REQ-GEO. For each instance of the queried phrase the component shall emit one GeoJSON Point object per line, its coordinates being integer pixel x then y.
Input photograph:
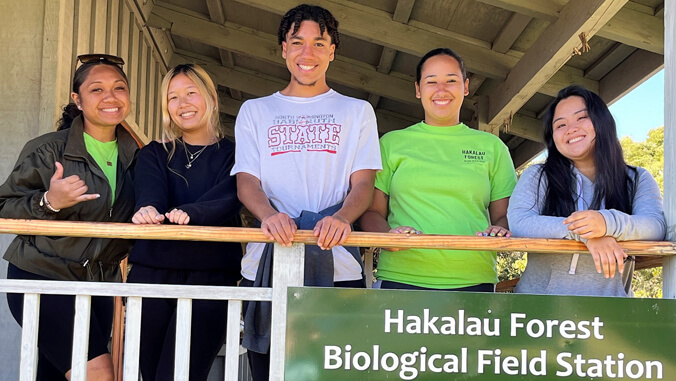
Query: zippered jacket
{"type": "Point", "coordinates": [69, 258]}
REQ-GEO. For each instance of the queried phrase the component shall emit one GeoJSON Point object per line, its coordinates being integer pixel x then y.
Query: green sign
{"type": "Point", "coordinates": [353, 334]}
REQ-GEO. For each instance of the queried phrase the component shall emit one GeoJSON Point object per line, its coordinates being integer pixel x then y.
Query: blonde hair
{"type": "Point", "coordinates": [206, 88]}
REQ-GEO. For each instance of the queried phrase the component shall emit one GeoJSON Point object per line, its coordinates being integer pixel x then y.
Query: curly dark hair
{"type": "Point", "coordinates": [294, 17]}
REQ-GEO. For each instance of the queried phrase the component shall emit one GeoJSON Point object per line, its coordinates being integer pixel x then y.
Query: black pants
{"type": "Point", "coordinates": [260, 362]}
{"type": "Point", "coordinates": [483, 287]}
{"type": "Point", "coordinates": [158, 323]}
{"type": "Point", "coordinates": [55, 337]}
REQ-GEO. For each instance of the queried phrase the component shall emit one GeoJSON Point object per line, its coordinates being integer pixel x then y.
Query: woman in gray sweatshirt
{"type": "Point", "coordinates": [584, 191]}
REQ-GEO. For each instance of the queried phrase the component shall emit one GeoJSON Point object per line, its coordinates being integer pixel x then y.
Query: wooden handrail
{"type": "Point", "coordinates": [224, 234]}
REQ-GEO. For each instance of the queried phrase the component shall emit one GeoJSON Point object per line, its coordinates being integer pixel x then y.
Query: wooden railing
{"type": "Point", "coordinates": [287, 271]}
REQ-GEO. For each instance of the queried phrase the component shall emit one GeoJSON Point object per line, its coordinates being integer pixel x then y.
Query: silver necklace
{"type": "Point", "coordinates": [192, 156]}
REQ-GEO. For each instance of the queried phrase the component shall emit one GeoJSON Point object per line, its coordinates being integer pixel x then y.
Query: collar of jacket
{"type": "Point", "coordinates": [75, 146]}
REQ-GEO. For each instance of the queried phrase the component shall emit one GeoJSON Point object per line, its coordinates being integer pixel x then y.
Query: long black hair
{"type": "Point", "coordinates": [612, 185]}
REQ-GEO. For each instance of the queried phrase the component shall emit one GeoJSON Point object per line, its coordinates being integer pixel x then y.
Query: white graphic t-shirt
{"type": "Point", "coordinates": [303, 150]}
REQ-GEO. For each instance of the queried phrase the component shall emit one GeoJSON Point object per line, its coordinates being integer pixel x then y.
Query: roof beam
{"type": "Point", "coordinates": [608, 61]}
{"type": "Point", "coordinates": [525, 152]}
{"type": "Point", "coordinates": [403, 11]}
{"type": "Point", "coordinates": [262, 46]}
{"type": "Point", "coordinates": [629, 26]}
{"type": "Point", "coordinates": [548, 54]}
{"type": "Point", "coordinates": [636, 29]}
{"type": "Point", "coordinates": [629, 74]}
{"type": "Point", "coordinates": [377, 26]}
{"type": "Point", "coordinates": [508, 35]}
{"type": "Point", "coordinates": [526, 127]}
{"type": "Point", "coordinates": [218, 16]}
{"type": "Point", "coordinates": [539, 9]}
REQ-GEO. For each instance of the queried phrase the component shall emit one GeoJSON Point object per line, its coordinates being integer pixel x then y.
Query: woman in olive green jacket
{"type": "Point", "coordinates": [82, 172]}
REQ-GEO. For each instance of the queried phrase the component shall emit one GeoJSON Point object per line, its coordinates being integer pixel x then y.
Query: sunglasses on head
{"type": "Point", "coordinates": [107, 58]}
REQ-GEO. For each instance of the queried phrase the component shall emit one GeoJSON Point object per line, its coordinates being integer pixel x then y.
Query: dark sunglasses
{"type": "Point", "coordinates": [106, 58]}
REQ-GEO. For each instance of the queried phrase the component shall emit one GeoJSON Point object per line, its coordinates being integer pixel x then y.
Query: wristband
{"type": "Point", "coordinates": [45, 203]}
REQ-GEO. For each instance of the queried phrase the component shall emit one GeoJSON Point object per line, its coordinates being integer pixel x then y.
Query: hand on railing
{"type": "Point", "coordinates": [606, 252]}
{"type": "Point", "coordinates": [147, 215]}
{"type": "Point", "coordinates": [408, 230]}
{"type": "Point", "coordinates": [280, 227]}
{"type": "Point", "coordinates": [494, 231]}
{"type": "Point", "coordinates": [331, 231]}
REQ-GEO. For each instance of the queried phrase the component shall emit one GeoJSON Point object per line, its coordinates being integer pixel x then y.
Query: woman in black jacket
{"type": "Point", "coordinates": [81, 172]}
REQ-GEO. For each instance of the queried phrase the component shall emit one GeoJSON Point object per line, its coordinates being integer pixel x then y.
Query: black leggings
{"type": "Point", "coordinates": [158, 323]}
{"type": "Point", "coordinates": [55, 337]}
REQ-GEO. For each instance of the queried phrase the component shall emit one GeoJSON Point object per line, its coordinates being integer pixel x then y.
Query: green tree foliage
{"type": "Point", "coordinates": [648, 154]}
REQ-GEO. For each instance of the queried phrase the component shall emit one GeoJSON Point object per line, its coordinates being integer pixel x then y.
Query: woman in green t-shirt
{"type": "Point", "coordinates": [441, 177]}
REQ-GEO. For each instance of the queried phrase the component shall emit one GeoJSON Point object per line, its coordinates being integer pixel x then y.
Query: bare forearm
{"type": "Point", "coordinates": [372, 221]}
{"type": "Point", "coordinates": [252, 196]}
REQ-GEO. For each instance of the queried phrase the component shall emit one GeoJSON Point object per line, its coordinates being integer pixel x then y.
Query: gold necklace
{"type": "Point", "coordinates": [109, 160]}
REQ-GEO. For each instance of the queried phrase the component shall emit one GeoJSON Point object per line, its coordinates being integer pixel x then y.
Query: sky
{"type": "Point", "coordinates": [640, 110]}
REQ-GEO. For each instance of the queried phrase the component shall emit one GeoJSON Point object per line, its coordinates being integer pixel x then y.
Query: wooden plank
{"type": "Point", "coordinates": [288, 269]}
{"type": "Point", "coordinates": [80, 338]}
{"type": "Point", "coordinates": [100, 29]}
{"type": "Point", "coordinates": [669, 269]}
{"type": "Point", "coordinates": [225, 234]}
{"type": "Point", "coordinates": [509, 34]}
{"type": "Point", "coordinates": [124, 38]}
{"type": "Point", "coordinates": [83, 35]}
{"type": "Point", "coordinates": [55, 65]}
{"type": "Point", "coordinates": [229, 61]}
{"type": "Point", "coordinates": [541, 9]}
{"type": "Point", "coordinates": [629, 74]}
{"type": "Point", "coordinates": [231, 371]}
{"type": "Point", "coordinates": [143, 84]}
{"type": "Point", "coordinates": [475, 82]}
{"type": "Point", "coordinates": [549, 53]}
{"type": "Point", "coordinates": [153, 98]}
{"type": "Point", "coordinates": [132, 338]}
{"type": "Point", "coordinates": [183, 332]}
{"type": "Point", "coordinates": [526, 151]}
{"type": "Point", "coordinates": [216, 11]}
{"type": "Point", "coordinates": [386, 60]}
{"type": "Point", "coordinates": [133, 68]}
{"type": "Point", "coordinates": [636, 29]}
{"type": "Point", "coordinates": [28, 368]}
{"type": "Point", "coordinates": [526, 127]}
{"type": "Point", "coordinates": [373, 99]}
{"type": "Point", "coordinates": [403, 11]}
{"type": "Point", "coordinates": [113, 27]}
{"type": "Point", "coordinates": [142, 8]}
{"type": "Point", "coordinates": [607, 62]}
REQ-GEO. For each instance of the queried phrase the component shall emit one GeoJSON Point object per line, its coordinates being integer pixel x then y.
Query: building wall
{"type": "Point", "coordinates": [40, 43]}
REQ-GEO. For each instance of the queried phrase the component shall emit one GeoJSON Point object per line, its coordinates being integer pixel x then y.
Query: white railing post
{"type": "Point", "coordinates": [669, 267]}
{"type": "Point", "coordinates": [132, 338]}
{"type": "Point", "coordinates": [232, 340]}
{"type": "Point", "coordinates": [28, 368]}
{"type": "Point", "coordinates": [80, 338]}
{"type": "Point", "coordinates": [287, 271]}
{"type": "Point", "coordinates": [183, 332]}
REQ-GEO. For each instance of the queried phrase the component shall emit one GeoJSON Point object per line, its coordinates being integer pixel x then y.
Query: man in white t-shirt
{"type": "Point", "coordinates": [306, 148]}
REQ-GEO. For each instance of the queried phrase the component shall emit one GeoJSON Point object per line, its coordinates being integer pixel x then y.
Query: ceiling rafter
{"type": "Point", "coordinates": [548, 54]}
